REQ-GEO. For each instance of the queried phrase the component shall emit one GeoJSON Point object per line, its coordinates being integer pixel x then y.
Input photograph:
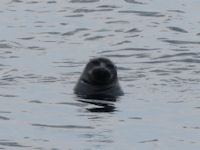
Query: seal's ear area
{"type": "Point", "coordinates": [111, 66]}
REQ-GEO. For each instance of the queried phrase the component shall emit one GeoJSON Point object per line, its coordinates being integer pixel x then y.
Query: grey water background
{"type": "Point", "coordinates": [44, 45]}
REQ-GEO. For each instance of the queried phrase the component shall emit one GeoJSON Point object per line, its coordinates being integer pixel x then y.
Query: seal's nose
{"type": "Point", "coordinates": [101, 74]}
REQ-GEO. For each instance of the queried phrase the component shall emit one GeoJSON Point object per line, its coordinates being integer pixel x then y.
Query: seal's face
{"type": "Point", "coordinates": [100, 71]}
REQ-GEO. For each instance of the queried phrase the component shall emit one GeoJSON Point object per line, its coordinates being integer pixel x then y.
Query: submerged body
{"type": "Point", "coordinates": [99, 80]}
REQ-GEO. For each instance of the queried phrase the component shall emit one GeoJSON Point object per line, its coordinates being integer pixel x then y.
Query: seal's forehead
{"type": "Point", "coordinates": [101, 59]}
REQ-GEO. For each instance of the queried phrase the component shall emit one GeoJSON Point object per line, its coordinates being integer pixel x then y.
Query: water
{"type": "Point", "coordinates": [44, 45]}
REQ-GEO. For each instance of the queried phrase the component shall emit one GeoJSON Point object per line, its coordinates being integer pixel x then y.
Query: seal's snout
{"type": "Point", "coordinates": [100, 74]}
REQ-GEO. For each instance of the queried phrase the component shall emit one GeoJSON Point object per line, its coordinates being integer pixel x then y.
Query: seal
{"type": "Point", "coordinates": [99, 80]}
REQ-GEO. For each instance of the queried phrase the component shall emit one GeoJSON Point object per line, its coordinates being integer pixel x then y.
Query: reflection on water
{"type": "Point", "coordinates": [44, 46]}
{"type": "Point", "coordinates": [100, 105]}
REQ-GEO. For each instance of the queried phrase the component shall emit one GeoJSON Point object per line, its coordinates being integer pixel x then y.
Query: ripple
{"type": "Point", "coordinates": [177, 29]}
{"type": "Point", "coordinates": [119, 21]}
{"type": "Point", "coordinates": [5, 112]}
{"type": "Point", "coordinates": [143, 13]}
{"type": "Point", "coordinates": [63, 126]}
{"type": "Point", "coordinates": [71, 104]}
{"type": "Point", "coordinates": [102, 30]}
{"type": "Point", "coordinates": [149, 141]}
{"type": "Point", "coordinates": [5, 46]}
{"type": "Point", "coordinates": [108, 6]}
{"type": "Point", "coordinates": [139, 49]}
{"type": "Point", "coordinates": [189, 60]}
{"type": "Point", "coordinates": [123, 42]}
{"type": "Point", "coordinates": [94, 38]}
{"type": "Point", "coordinates": [8, 80]}
{"type": "Point", "coordinates": [119, 55]}
{"type": "Point", "coordinates": [78, 15]}
{"type": "Point", "coordinates": [7, 95]}
{"type": "Point", "coordinates": [52, 33]}
{"type": "Point", "coordinates": [47, 79]}
{"type": "Point", "coordinates": [17, 1]}
{"type": "Point", "coordinates": [136, 118]}
{"type": "Point", "coordinates": [31, 76]}
{"type": "Point", "coordinates": [124, 68]}
{"type": "Point", "coordinates": [33, 2]}
{"type": "Point", "coordinates": [130, 50]}
{"type": "Point", "coordinates": [133, 2]}
{"type": "Point", "coordinates": [75, 31]}
{"type": "Point", "coordinates": [99, 105]}
{"type": "Point", "coordinates": [84, 1]}
{"type": "Point", "coordinates": [178, 55]}
{"type": "Point", "coordinates": [11, 144]}
{"type": "Point", "coordinates": [181, 42]}
{"type": "Point", "coordinates": [133, 30]}
{"type": "Point", "coordinates": [178, 11]}
{"type": "Point", "coordinates": [181, 49]}
{"type": "Point", "coordinates": [84, 10]}
{"type": "Point", "coordinates": [68, 63]}
{"type": "Point", "coordinates": [51, 2]}
{"type": "Point", "coordinates": [4, 118]}
{"type": "Point", "coordinates": [26, 38]}
{"type": "Point", "coordinates": [36, 48]}
{"type": "Point", "coordinates": [159, 71]}
{"type": "Point", "coordinates": [170, 61]}
{"type": "Point", "coordinates": [103, 109]}
{"type": "Point", "coordinates": [196, 127]}
{"type": "Point", "coordinates": [179, 81]}
{"type": "Point", "coordinates": [35, 101]}
{"type": "Point", "coordinates": [156, 62]}
{"type": "Point", "coordinates": [175, 102]}
{"type": "Point", "coordinates": [9, 44]}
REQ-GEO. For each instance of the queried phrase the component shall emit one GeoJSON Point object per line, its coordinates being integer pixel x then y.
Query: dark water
{"type": "Point", "coordinates": [44, 45]}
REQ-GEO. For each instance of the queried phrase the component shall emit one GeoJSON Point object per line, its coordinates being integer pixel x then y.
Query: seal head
{"type": "Point", "coordinates": [99, 79]}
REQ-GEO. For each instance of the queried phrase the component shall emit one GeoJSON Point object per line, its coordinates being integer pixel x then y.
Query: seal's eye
{"type": "Point", "coordinates": [110, 66]}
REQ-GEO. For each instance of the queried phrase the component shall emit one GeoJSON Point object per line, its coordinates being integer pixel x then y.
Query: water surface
{"type": "Point", "coordinates": [44, 45]}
